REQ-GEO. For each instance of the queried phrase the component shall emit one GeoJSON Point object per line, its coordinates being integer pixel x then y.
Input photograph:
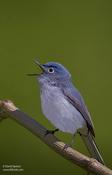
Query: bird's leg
{"type": "Point", "coordinates": [71, 144]}
{"type": "Point", "coordinates": [84, 134]}
{"type": "Point", "coordinates": [73, 140]}
{"type": "Point", "coordinates": [51, 131]}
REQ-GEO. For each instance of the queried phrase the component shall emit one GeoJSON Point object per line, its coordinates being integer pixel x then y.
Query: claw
{"type": "Point", "coordinates": [66, 146]}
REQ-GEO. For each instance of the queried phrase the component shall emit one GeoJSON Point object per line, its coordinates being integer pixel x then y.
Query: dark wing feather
{"type": "Point", "coordinates": [74, 97]}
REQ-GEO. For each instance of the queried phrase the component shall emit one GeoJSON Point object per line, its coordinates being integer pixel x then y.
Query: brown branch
{"type": "Point", "coordinates": [8, 109]}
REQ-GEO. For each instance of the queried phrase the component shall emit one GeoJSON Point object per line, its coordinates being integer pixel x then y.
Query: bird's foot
{"type": "Point", "coordinates": [51, 131]}
{"type": "Point", "coordinates": [66, 146]}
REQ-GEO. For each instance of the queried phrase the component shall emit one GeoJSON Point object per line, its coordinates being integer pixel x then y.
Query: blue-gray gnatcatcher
{"type": "Point", "coordinates": [63, 105]}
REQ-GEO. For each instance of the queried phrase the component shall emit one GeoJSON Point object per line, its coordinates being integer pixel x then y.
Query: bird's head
{"type": "Point", "coordinates": [52, 73]}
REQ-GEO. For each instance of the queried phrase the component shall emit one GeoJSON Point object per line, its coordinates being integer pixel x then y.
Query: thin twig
{"type": "Point", "coordinates": [89, 164]}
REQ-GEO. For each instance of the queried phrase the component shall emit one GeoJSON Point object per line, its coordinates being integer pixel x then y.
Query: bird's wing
{"type": "Point", "coordinates": [74, 97]}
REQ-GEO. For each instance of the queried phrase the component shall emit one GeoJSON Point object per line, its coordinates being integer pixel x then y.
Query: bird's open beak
{"type": "Point", "coordinates": [41, 67]}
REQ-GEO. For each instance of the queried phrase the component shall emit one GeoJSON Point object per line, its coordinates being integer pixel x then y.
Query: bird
{"type": "Point", "coordinates": [63, 105]}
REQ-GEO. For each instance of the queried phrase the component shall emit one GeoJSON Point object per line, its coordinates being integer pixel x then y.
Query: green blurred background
{"type": "Point", "coordinates": [77, 34]}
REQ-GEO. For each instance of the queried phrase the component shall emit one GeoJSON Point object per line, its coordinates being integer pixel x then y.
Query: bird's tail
{"type": "Point", "coordinates": [92, 147]}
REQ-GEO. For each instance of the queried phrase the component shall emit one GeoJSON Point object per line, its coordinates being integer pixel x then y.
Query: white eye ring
{"type": "Point", "coordinates": [51, 70]}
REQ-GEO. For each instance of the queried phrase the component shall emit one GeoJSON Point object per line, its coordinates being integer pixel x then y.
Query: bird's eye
{"type": "Point", "coordinates": [51, 70]}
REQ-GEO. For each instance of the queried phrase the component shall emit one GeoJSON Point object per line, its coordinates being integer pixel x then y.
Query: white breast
{"type": "Point", "coordinates": [62, 114]}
